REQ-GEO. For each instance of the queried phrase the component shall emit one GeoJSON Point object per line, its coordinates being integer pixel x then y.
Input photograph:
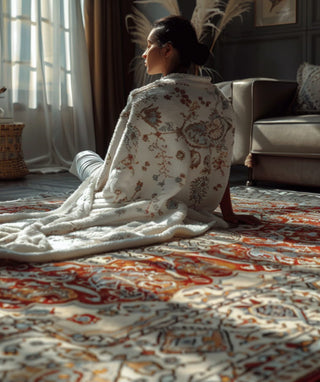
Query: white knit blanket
{"type": "Point", "coordinates": [164, 174]}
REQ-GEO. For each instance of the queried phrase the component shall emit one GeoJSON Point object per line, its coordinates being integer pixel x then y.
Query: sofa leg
{"type": "Point", "coordinates": [249, 163]}
{"type": "Point", "coordinates": [250, 182]}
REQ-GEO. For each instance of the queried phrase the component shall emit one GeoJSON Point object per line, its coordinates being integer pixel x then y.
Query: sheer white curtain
{"type": "Point", "coordinates": [45, 64]}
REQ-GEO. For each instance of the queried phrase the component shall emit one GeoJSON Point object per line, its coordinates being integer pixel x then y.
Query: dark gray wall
{"type": "Point", "coordinates": [187, 7]}
{"type": "Point", "coordinates": [244, 50]}
{"type": "Point", "coordinates": [270, 51]}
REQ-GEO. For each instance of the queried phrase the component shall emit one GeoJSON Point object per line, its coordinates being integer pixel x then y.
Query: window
{"type": "Point", "coordinates": [45, 66]}
{"type": "Point", "coordinates": [37, 47]}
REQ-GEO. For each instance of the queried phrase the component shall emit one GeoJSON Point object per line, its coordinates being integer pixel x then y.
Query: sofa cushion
{"type": "Point", "coordinates": [307, 98]}
{"type": "Point", "coordinates": [293, 136]}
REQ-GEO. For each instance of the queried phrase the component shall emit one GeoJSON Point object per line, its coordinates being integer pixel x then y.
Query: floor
{"type": "Point", "coordinates": [35, 184]}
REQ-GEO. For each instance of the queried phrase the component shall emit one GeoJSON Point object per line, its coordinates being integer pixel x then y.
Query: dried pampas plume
{"type": "Point", "coordinates": [233, 9]}
{"type": "Point", "coordinates": [204, 12]}
{"type": "Point", "coordinates": [207, 14]}
{"type": "Point", "coordinates": [140, 29]}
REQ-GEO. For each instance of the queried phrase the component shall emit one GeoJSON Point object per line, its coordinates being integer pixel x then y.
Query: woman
{"type": "Point", "coordinates": [172, 47]}
{"type": "Point", "coordinates": [166, 169]}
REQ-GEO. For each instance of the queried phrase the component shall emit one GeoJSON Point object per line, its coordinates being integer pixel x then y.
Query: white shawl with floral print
{"type": "Point", "coordinates": [164, 174]}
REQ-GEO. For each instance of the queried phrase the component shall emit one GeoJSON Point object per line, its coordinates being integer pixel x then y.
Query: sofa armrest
{"type": "Point", "coordinates": [252, 99]}
{"type": "Point", "coordinates": [272, 98]}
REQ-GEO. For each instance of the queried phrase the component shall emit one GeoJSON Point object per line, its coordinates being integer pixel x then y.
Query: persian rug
{"type": "Point", "coordinates": [239, 304]}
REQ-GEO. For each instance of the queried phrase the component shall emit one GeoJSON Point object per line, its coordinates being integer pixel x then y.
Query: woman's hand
{"type": "Point", "coordinates": [230, 217]}
{"type": "Point", "coordinates": [236, 219]}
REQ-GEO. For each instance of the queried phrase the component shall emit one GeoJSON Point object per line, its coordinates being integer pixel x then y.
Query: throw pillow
{"type": "Point", "coordinates": [308, 93]}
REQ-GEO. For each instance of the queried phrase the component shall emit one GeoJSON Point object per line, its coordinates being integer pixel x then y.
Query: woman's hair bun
{"type": "Point", "coordinates": [181, 34]}
{"type": "Point", "coordinates": [200, 54]}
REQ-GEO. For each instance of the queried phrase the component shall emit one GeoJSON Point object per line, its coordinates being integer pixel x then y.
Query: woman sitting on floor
{"type": "Point", "coordinates": [166, 169]}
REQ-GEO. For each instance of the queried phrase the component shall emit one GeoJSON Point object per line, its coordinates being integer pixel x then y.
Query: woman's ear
{"type": "Point", "coordinates": [168, 50]}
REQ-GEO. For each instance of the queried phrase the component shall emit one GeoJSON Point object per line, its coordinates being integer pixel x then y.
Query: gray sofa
{"type": "Point", "coordinates": [277, 146]}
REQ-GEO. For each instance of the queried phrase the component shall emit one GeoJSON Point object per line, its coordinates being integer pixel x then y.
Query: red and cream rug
{"type": "Point", "coordinates": [241, 304]}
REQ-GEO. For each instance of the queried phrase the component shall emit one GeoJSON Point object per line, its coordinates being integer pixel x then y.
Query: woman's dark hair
{"type": "Point", "coordinates": [181, 34]}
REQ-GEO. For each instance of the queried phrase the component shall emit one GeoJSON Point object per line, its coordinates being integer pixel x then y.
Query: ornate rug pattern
{"type": "Point", "coordinates": [241, 304]}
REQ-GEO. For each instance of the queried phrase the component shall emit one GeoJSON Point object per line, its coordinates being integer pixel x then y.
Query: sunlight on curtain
{"type": "Point", "coordinates": [44, 54]}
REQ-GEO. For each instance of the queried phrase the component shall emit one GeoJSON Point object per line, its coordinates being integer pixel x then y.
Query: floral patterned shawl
{"type": "Point", "coordinates": [164, 174]}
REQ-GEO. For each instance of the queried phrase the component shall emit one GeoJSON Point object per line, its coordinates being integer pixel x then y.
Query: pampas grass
{"type": "Point", "coordinates": [208, 15]}
{"type": "Point", "coordinates": [233, 9]}
{"type": "Point", "coordinates": [204, 11]}
{"type": "Point", "coordinates": [140, 29]}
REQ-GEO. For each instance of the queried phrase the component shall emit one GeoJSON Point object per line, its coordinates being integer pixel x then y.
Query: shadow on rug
{"type": "Point", "coordinates": [241, 304]}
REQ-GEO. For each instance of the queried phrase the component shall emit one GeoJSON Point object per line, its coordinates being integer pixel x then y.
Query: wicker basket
{"type": "Point", "coordinates": [12, 165]}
